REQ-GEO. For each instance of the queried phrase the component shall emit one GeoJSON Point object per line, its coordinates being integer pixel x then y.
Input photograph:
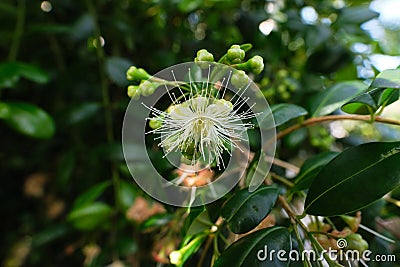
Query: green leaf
{"type": "Point", "coordinates": [384, 92]}
{"type": "Point", "coordinates": [90, 216]}
{"type": "Point", "coordinates": [32, 73]}
{"type": "Point", "coordinates": [310, 169]}
{"type": "Point", "coordinates": [387, 79]}
{"type": "Point", "coordinates": [116, 68]}
{"type": "Point", "coordinates": [355, 15]}
{"type": "Point", "coordinates": [371, 101]}
{"type": "Point", "coordinates": [198, 222]}
{"type": "Point", "coordinates": [156, 220]}
{"type": "Point", "coordinates": [80, 113]}
{"type": "Point", "coordinates": [10, 73]}
{"type": "Point", "coordinates": [245, 210]}
{"type": "Point", "coordinates": [363, 104]}
{"type": "Point", "coordinates": [126, 194]}
{"type": "Point", "coordinates": [91, 194]}
{"type": "Point", "coordinates": [27, 119]}
{"type": "Point", "coordinates": [334, 97]}
{"type": "Point", "coordinates": [357, 177]}
{"type": "Point", "coordinates": [251, 249]}
{"type": "Point", "coordinates": [49, 234]}
{"type": "Point", "coordinates": [283, 113]}
{"type": "Point", "coordinates": [189, 5]}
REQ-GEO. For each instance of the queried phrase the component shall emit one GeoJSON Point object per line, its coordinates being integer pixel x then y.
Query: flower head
{"type": "Point", "coordinates": [202, 128]}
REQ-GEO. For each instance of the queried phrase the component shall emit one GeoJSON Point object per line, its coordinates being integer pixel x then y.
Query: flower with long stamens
{"type": "Point", "coordinates": [202, 128]}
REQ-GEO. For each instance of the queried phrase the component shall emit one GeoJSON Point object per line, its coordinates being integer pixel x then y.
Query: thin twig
{"type": "Point", "coordinates": [283, 164]}
{"type": "Point", "coordinates": [313, 121]}
{"type": "Point", "coordinates": [19, 30]}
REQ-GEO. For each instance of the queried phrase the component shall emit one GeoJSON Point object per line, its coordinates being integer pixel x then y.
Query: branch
{"type": "Point", "coordinates": [312, 121]}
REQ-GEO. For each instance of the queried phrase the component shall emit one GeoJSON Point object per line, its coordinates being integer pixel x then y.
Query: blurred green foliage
{"type": "Point", "coordinates": [67, 196]}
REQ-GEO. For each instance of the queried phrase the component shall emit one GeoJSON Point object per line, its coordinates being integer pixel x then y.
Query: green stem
{"type": "Point", "coordinates": [105, 94]}
{"type": "Point", "coordinates": [107, 114]}
{"type": "Point", "coordinates": [19, 30]}
{"type": "Point", "coordinates": [331, 223]}
{"type": "Point", "coordinates": [281, 179]}
{"type": "Point", "coordinates": [314, 242]}
{"type": "Point", "coordinates": [307, 262]}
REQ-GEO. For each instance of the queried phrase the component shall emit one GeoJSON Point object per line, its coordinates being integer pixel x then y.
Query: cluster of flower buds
{"type": "Point", "coordinates": [145, 88]}
{"type": "Point", "coordinates": [234, 57]}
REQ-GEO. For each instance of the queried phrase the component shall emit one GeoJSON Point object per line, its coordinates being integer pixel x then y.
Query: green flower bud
{"type": "Point", "coordinates": [135, 74]}
{"type": "Point", "coordinates": [204, 55]}
{"type": "Point", "coordinates": [175, 257]}
{"type": "Point", "coordinates": [235, 54]}
{"type": "Point", "coordinates": [147, 88]}
{"type": "Point", "coordinates": [256, 64]}
{"type": "Point", "coordinates": [156, 122]}
{"type": "Point", "coordinates": [356, 242]}
{"type": "Point", "coordinates": [178, 257]}
{"type": "Point", "coordinates": [134, 92]}
{"type": "Point", "coordinates": [239, 79]}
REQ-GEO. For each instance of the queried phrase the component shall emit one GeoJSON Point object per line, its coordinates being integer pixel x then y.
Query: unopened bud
{"type": "Point", "coordinates": [256, 64]}
{"type": "Point", "coordinates": [135, 74]}
{"type": "Point", "coordinates": [133, 92]}
{"type": "Point", "coordinates": [235, 54]}
{"type": "Point", "coordinates": [204, 55]}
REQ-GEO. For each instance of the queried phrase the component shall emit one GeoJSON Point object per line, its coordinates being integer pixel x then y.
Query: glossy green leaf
{"type": "Point", "coordinates": [245, 210]}
{"type": "Point", "coordinates": [387, 79]}
{"type": "Point", "coordinates": [310, 169]}
{"type": "Point", "coordinates": [91, 194]}
{"type": "Point", "coordinates": [255, 249]}
{"type": "Point", "coordinates": [27, 119]}
{"type": "Point", "coordinates": [384, 92]}
{"type": "Point", "coordinates": [357, 177]}
{"type": "Point", "coordinates": [334, 97]}
{"type": "Point", "coordinates": [363, 104]}
{"type": "Point", "coordinates": [369, 102]}
{"type": "Point", "coordinates": [283, 113]}
{"type": "Point", "coordinates": [91, 216]}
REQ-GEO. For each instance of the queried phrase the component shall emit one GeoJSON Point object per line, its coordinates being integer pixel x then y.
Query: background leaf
{"type": "Point", "coordinates": [28, 119]}
{"type": "Point", "coordinates": [334, 97]}
{"type": "Point", "coordinates": [283, 113]}
{"type": "Point", "coordinates": [387, 79]}
{"type": "Point", "coordinates": [10, 73]}
{"type": "Point", "coordinates": [90, 216]}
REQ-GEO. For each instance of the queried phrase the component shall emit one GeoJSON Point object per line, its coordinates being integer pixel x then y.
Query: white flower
{"type": "Point", "coordinates": [202, 128]}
